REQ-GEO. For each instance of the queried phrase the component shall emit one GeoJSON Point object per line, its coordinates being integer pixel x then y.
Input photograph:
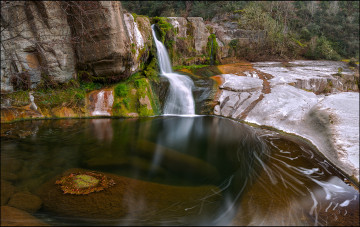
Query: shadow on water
{"type": "Point", "coordinates": [256, 177]}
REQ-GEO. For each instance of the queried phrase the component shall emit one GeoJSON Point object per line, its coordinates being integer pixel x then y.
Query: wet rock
{"type": "Point", "coordinates": [7, 189]}
{"type": "Point", "coordinates": [11, 216]}
{"type": "Point", "coordinates": [100, 102]}
{"type": "Point", "coordinates": [9, 176]}
{"type": "Point", "coordinates": [16, 113]}
{"type": "Point", "coordinates": [10, 164]}
{"type": "Point", "coordinates": [343, 109]}
{"type": "Point", "coordinates": [25, 201]}
{"type": "Point", "coordinates": [177, 162]}
{"type": "Point", "coordinates": [129, 198]}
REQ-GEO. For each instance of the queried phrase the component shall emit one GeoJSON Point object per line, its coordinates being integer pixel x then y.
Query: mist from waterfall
{"type": "Point", "coordinates": [180, 100]}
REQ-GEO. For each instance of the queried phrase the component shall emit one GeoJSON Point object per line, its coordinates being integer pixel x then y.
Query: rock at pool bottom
{"type": "Point", "coordinates": [11, 216]}
{"type": "Point", "coordinates": [133, 200]}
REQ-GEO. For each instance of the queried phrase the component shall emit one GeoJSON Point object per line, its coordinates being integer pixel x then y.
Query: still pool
{"type": "Point", "coordinates": [172, 170]}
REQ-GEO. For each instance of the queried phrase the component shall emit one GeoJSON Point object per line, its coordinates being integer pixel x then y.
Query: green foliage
{"type": "Point", "coordinates": [290, 25]}
{"type": "Point", "coordinates": [17, 98]}
{"type": "Point", "coordinates": [121, 90]}
{"type": "Point", "coordinates": [321, 48]}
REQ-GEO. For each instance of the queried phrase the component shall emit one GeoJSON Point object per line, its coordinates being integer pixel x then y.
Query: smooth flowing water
{"type": "Point", "coordinates": [174, 170]}
{"type": "Point", "coordinates": [180, 100]}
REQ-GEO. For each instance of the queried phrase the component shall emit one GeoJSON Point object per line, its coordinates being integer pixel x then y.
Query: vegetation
{"type": "Point", "coordinates": [211, 49]}
{"type": "Point", "coordinates": [189, 67]}
{"type": "Point", "coordinates": [310, 29]}
{"type": "Point", "coordinates": [128, 96]}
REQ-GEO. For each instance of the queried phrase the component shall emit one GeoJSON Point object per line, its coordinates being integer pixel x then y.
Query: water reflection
{"type": "Point", "coordinates": [102, 129]}
{"type": "Point", "coordinates": [254, 177]}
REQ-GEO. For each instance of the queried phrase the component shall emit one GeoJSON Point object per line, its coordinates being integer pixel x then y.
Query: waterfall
{"type": "Point", "coordinates": [180, 100]}
{"type": "Point", "coordinates": [103, 103]}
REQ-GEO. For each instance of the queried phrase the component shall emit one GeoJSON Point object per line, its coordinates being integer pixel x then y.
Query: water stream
{"type": "Point", "coordinates": [180, 100]}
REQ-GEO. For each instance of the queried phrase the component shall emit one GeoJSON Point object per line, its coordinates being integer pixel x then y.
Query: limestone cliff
{"type": "Point", "coordinates": [52, 41]}
{"type": "Point", "coordinates": [193, 40]}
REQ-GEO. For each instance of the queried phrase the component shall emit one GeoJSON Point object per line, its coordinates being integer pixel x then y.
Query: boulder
{"type": "Point", "coordinates": [7, 189]}
{"type": "Point", "coordinates": [11, 216]}
{"type": "Point", "coordinates": [25, 201]}
{"type": "Point", "coordinates": [130, 198]}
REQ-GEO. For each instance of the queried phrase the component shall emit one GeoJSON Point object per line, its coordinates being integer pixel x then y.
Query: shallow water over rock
{"type": "Point", "coordinates": [200, 170]}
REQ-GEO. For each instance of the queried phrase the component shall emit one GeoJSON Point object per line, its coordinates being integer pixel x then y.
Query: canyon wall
{"type": "Point", "coordinates": [53, 42]}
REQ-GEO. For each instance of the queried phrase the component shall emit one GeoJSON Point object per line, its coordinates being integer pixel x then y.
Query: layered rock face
{"type": "Point", "coordinates": [51, 41]}
{"type": "Point", "coordinates": [36, 43]}
{"type": "Point", "coordinates": [110, 41]}
{"type": "Point", "coordinates": [190, 41]}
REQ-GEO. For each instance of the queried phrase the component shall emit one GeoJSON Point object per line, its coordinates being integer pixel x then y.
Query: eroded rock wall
{"type": "Point", "coordinates": [35, 43]}
{"type": "Point", "coordinates": [191, 37]}
{"type": "Point", "coordinates": [52, 41]}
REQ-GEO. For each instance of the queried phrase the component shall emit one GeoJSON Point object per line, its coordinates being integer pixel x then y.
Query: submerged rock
{"type": "Point", "coordinates": [11, 216]}
{"type": "Point", "coordinates": [130, 198]}
{"type": "Point", "coordinates": [7, 190]}
{"type": "Point", "coordinates": [25, 201]}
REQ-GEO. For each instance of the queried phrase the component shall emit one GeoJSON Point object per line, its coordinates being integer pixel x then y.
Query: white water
{"type": "Point", "coordinates": [103, 107]}
{"type": "Point", "coordinates": [180, 100]}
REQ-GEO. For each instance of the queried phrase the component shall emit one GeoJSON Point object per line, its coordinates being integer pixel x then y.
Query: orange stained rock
{"type": "Point", "coordinates": [236, 68]}
{"type": "Point", "coordinates": [187, 71]}
{"type": "Point", "coordinates": [15, 113]}
{"type": "Point", "coordinates": [218, 79]}
{"type": "Point", "coordinates": [63, 112]}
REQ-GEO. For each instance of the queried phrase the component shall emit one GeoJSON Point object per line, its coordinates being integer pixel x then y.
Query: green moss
{"type": "Point", "coordinates": [127, 102]}
{"type": "Point", "coordinates": [121, 90]}
{"type": "Point", "coordinates": [140, 83]}
{"type": "Point", "coordinates": [163, 27]}
{"type": "Point", "coordinates": [133, 50]}
{"type": "Point", "coordinates": [135, 16]}
{"type": "Point", "coordinates": [189, 67]}
{"type": "Point", "coordinates": [211, 49]}
{"type": "Point", "coordinates": [133, 89]}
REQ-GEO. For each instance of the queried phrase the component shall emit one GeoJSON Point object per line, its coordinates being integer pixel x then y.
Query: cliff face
{"type": "Point", "coordinates": [52, 41]}
{"type": "Point", "coordinates": [35, 40]}
{"type": "Point", "coordinates": [193, 40]}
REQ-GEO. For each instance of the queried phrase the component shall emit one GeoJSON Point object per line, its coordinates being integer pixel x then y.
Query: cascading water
{"type": "Point", "coordinates": [103, 103]}
{"type": "Point", "coordinates": [180, 100]}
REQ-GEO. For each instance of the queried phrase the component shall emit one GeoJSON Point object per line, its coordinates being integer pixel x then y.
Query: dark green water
{"type": "Point", "coordinates": [264, 178]}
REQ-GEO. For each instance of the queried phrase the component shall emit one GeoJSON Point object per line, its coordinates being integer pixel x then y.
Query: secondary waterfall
{"type": "Point", "coordinates": [180, 100]}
